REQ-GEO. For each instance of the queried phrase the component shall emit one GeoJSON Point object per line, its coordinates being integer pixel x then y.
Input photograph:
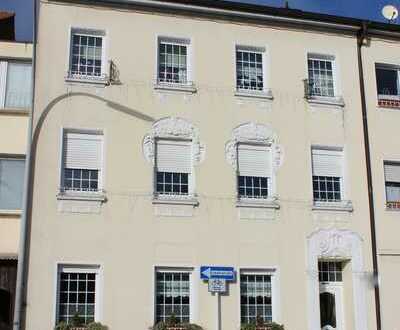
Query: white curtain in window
{"type": "Point", "coordinates": [3, 79]}
{"type": "Point", "coordinates": [392, 193]}
{"type": "Point", "coordinates": [11, 183]}
{"type": "Point", "coordinates": [392, 172]}
{"type": "Point", "coordinates": [327, 162]}
{"type": "Point", "coordinates": [254, 160]}
{"type": "Point", "coordinates": [19, 85]}
{"type": "Point", "coordinates": [174, 156]}
{"type": "Point", "coordinates": [83, 151]}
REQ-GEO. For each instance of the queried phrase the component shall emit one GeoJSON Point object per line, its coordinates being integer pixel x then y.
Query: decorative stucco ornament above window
{"type": "Point", "coordinates": [173, 128]}
{"type": "Point", "coordinates": [254, 133]}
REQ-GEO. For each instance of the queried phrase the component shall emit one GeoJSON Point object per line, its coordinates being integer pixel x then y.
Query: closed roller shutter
{"type": "Point", "coordinates": [254, 160]}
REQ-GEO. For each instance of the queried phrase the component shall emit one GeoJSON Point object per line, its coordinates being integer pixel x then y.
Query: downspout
{"type": "Point", "coordinates": [20, 292]}
{"type": "Point", "coordinates": [361, 41]}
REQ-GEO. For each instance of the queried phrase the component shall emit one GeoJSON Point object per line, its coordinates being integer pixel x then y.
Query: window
{"type": "Point", "coordinates": [321, 75]}
{"type": "Point", "coordinates": [330, 271]}
{"type": "Point", "coordinates": [82, 162]}
{"type": "Point", "coordinates": [173, 167]}
{"type": "Point", "coordinates": [327, 175]}
{"type": "Point", "coordinates": [173, 295]}
{"type": "Point", "coordinates": [387, 80]}
{"type": "Point", "coordinates": [173, 61]}
{"type": "Point", "coordinates": [12, 173]}
{"type": "Point", "coordinates": [77, 293]}
{"type": "Point", "coordinates": [255, 297]}
{"type": "Point", "coordinates": [87, 54]}
{"type": "Point", "coordinates": [392, 184]}
{"type": "Point", "coordinates": [249, 69]}
{"type": "Point", "coordinates": [15, 85]}
{"type": "Point", "coordinates": [254, 171]}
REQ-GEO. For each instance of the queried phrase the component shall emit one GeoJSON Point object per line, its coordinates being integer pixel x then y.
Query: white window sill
{"type": "Point", "coordinates": [14, 111]}
{"type": "Point", "coordinates": [258, 203]}
{"type": "Point", "coordinates": [336, 101]}
{"type": "Point", "coordinates": [102, 81]}
{"type": "Point", "coordinates": [176, 200]}
{"type": "Point", "coordinates": [176, 87]}
{"type": "Point", "coordinates": [345, 206]}
{"type": "Point", "coordinates": [82, 196]}
{"type": "Point", "coordinates": [10, 212]}
{"type": "Point", "coordinates": [267, 94]}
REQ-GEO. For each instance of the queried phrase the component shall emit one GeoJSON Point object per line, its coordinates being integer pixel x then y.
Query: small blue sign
{"type": "Point", "coordinates": [222, 273]}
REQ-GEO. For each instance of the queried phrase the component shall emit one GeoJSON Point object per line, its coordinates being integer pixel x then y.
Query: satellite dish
{"type": "Point", "coordinates": [390, 12]}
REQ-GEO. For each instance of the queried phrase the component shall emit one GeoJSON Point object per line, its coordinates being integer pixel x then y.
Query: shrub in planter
{"type": "Point", "coordinates": [261, 325]}
{"type": "Point", "coordinates": [172, 323]}
{"type": "Point", "coordinates": [77, 323]}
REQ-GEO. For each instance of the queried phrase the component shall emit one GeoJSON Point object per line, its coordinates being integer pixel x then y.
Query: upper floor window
{"type": "Point", "coordinates": [321, 75]}
{"type": "Point", "coordinates": [87, 57]}
{"type": "Point", "coordinates": [327, 171]}
{"type": "Point", "coordinates": [387, 80]}
{"type": "Point", "coordinates": [11, 183]}
{"type": "Point", "coordinates": [254, 171]}
{"type": "Point", "coordinates": [77, 293]}
{"type": "Point", "coordinates": [82, 162]}
{"type": "Point", "coordinates": [250, 69]}
{"type": "Point", "coordinates": [173, 61]}
{"type": "Point", "coordinates": [392, 184]}
{"type": "Point", "coordinates": [173, 167]}
{"type": "Point", "coordinates": [15, 84]}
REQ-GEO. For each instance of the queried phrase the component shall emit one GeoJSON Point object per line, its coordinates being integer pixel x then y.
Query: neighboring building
{"type": "Point", "coordinates": [15, 104]}
{"type": "Point", "coordinates": [174, 134]}
{"type": "Point", "coordinates": [7, 26]}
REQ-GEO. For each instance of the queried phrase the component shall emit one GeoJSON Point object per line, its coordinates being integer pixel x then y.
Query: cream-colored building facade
{"type": "Point", "coordinates": [15, 104]}
{"type": "Point", "coordinates": [171, 135]}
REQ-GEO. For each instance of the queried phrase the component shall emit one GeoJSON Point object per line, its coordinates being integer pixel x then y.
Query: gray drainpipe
{"type": "Point", "coordinates": [361, 41]}
{"type": "Point", "coordinates": [20, 293]}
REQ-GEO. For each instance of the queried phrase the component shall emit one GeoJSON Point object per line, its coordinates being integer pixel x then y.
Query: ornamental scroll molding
{"type": "Point", "coordinates": [173, 128]}
{"type": "Point", "coordinates": [257, 134]}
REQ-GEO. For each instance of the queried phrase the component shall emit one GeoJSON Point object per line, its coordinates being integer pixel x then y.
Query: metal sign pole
{"type": "Point", "coordinates": [218, 311]}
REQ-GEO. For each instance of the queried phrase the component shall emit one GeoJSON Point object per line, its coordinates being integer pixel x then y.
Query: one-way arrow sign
{"type": "Point", "coordinates": [223, 273]}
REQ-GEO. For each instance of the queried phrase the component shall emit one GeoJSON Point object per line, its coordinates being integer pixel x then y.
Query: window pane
{"type": "Point", "coordinates": [19, 85]}
{"type": "Point", "coordinates": [172, 63]}
{"type": "Point", "coordinates": [249, 70]}
{"type": "Point", "coordinates": [11, 183]}
{"type": "Point", "coordinates": [386, 81]}
{"type": "Point", "coordinates": [320, 76]}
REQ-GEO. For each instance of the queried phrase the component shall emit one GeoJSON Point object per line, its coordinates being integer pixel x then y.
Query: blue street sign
{"type": "Point", "coordinates": [223, 273]}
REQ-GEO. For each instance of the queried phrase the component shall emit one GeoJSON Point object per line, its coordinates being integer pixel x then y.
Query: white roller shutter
{"type": "Point", "coordinates": [254, 160]}
{"type": "Point", "coordinates": [174, 156]}
{"type": "Point", "coordinates": [83, 151]}
{"type": "Point", "coordinates": [392, 172]}
{"type": "Point", "coordinates": [3, 83]}
{"type": "Point", "coordinates": [327, 162]}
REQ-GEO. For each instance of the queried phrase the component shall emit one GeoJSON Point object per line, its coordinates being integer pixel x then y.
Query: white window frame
{"type": "Point", "coordinates": [266, 91]}
{"type": "Point", "coordinates": [192, 287]}
{"type": "Point", "coordinates": [189, 86]}
{"type": "Point", "coordinates": [96, 269]}
{"type": "Point", "coordinates": [90, 32]}
{"type": "Point", "coordinates": [4, 78]}
{"type": "Point", "coordinates": [388, 67]}
{"type": "Point", "coordinates": [100, 190]}
{"type": "Point", "coordinates": [275, 288]}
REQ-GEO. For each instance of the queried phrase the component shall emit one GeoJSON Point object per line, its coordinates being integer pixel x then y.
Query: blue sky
{"type": "Point", "coordinates": [367, 9]}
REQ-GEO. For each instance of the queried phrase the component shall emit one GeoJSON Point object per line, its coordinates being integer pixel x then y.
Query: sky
{"type": "Point", "coordinates": [365, 9]}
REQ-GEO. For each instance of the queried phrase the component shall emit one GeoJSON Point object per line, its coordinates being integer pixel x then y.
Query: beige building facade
{"type": "Point", "coordinates": [172, 135]}
{"type": "Point", "coordinates": [15, 104]}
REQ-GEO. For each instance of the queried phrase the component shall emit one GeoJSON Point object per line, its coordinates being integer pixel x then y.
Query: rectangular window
{"type": "Point", "coordinates": [254, 171]}
{"type": "Point", "coordinates": [387, 80]}
{"type": "Point", "coordinates": [255, 297]}
{"type": "Point", "coordinates": [321, 75]}
{"type": "Point", "coordinates": [87, 54]}
{"type": "Point", "coordinates": [12, 173]}
{"type": "Point", "coordinates": [249, 69]}
{"type": "Point", "coordinates": [330, 271]}
{"type": "Point", "coordinates": [15, 85]}
{"type": "Point", "coordinates": [173, 295]}
{"type": "Point", "coordinates": [392, 184]}
{"type": "Point", "coordinates": [327, 168]}
{"type": "Point", "coordinates": [173, 167]}
{"type": "Point", "coordinates": [77, 292]}
{"type": "Point", "coordinates": [82, 162]}
{"type": "Point", "coordinates": [173, 61]}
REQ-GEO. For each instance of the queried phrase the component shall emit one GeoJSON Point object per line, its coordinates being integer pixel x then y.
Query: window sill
{"type": "Point", "coordinates": [175, 200]}
{"type": "Point", "coordinates": [14, 111]}
{"type": "Point", "coordinates": [345, 206]}
{"type": "Point", "coordinates": [175, 87]}
{"type": "Point", "coordinates": [10, 212]}
{"type": "Point", "coordinates": [266, 204]}
{"type": "Point", "coordinates": [101, 81]}
{"type": "Point", "coordinates": [82, 196]}
{"type": "Point", "coordinates": [266, 95]}
{"type": "Point", "coordinates": [329, 101]}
